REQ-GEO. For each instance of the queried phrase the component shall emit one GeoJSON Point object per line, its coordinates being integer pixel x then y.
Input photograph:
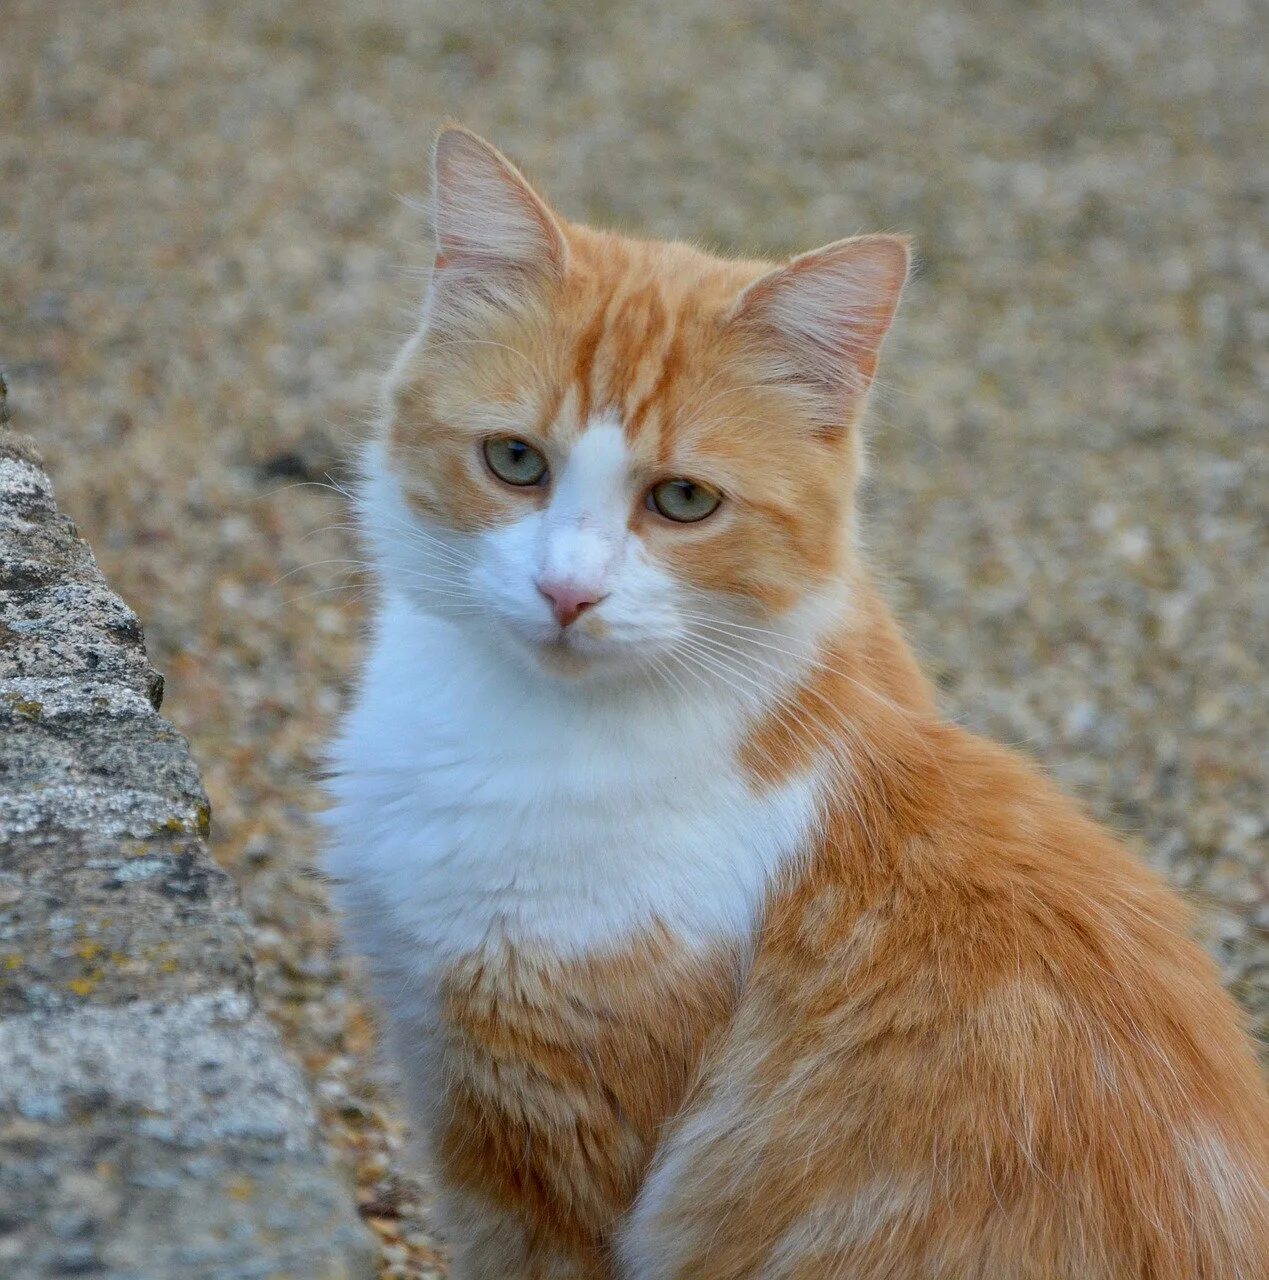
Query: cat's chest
{"type": "Point", "coordinates": [577, 837]}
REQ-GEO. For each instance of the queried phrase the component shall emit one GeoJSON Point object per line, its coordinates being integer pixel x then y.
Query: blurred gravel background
{"type": "Point", "coordinates": [205, 262]}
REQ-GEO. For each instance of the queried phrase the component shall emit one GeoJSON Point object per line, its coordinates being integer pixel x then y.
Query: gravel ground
{"type": "Point", "coordinates": [205, 261]}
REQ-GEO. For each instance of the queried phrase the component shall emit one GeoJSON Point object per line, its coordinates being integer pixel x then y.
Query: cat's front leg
{"type": "Point", "coordinates": [488, 1238]}
{"type": "Point", "coordinates": [485, 1240]}
{"type": "Point", "coordinates": [488, 1242]}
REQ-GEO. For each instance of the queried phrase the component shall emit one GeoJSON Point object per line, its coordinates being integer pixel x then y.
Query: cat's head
{"type": "Point", "coordinates": [596, 449]}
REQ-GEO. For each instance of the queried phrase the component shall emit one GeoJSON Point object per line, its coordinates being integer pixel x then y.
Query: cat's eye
{"type": "Point", "coordinates": [515, 461]}
{"type": "Point", "coordinates": [684, 500]}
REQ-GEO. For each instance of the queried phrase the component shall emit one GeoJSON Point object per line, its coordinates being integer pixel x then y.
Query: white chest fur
{"type": "Point", "coordinates": [476, 803]}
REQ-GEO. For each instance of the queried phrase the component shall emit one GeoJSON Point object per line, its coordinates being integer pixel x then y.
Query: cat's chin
{"type": "Point", "coordinates": [561, 658]}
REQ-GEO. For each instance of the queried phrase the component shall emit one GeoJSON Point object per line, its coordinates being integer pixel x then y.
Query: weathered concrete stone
{"type": "Point", "coordinates": [151, 1126]}
{"type": "Point", "coordinates": [115, 920]}
{"type": "Point", "coordinates": [93, 761]}
{"type": "Point", "coordinates": [163, 1139]}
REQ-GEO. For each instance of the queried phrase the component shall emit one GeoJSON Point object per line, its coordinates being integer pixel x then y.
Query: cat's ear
{"type": "Point", "coordinates": [496, 239]}
{"type": "Point", "coordinates": [820, 320]}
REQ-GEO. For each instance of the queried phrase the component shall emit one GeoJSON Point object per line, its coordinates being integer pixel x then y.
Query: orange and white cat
{"type": "Point", "coordinates": [709, 951]}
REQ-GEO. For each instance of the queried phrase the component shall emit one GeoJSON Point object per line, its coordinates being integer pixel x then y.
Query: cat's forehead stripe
{"type": "Point", "coordinates": [630, 355]}
{"type": "Point", "coordinates": [636, 336]}
{"type": "Point", "coordinates": [671, 365]}
{"type": "Point", "coordinates": [584, 361]}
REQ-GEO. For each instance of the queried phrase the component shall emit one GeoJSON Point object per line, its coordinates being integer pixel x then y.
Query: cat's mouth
{"type": "Point", "coordinates": [593, 645]}
{"type": "Point", "coordinates": [580, 649]}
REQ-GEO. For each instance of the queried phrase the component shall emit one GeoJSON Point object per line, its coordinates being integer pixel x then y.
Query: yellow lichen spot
{"type": "Point", "coordinates": [24, 707]}
{"type": "Point", "coordinates": [173, 824]}
{"type": "Point", "coordinates": [82, 986]}
{"type": "Point", "coordinates": [169, 966]}
{"type": "Point", "coordinates": [13, 960]}
{"type": "Point", "coordinates": [202, 820]}
{"type": "Point", "coordinates": [88, 951]}
{"type": "Point", "coordinates": [240, 1189]}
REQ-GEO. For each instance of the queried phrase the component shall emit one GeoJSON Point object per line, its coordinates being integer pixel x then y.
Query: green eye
{"type": "Point", "coordinates": [684, 500]}
{"type": "Point", "coordinates": [514, 461]}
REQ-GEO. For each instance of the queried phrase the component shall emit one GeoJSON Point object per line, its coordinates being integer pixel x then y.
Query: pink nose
{"type": "Point", "coordinates": [568, 603]}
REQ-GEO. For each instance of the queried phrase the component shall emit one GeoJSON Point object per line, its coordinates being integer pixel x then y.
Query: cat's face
{"type": "Point", "coordinates": [604, 451]}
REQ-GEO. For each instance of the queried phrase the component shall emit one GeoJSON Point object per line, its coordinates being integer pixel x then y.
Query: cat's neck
{"type": "Point", "coordinates": [880, 657]}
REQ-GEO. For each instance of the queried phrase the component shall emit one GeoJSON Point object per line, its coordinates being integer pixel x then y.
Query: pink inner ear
{"type": "Point", "coordinates": [486, 213]}
{"type": "Point", "coordinates": [828, 311]}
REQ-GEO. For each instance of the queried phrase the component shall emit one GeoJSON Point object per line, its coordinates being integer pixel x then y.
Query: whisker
{"type": "Point", "coordinates": [810, 656]}
{"type": "Point", "coordinates": [317, 564]}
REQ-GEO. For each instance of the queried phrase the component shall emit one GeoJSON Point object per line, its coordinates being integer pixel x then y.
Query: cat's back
{"type": "Point", "coordinates": [976, 1039]}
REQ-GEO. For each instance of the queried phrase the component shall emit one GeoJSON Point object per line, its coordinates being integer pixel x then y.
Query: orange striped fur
{"type": "Point", "coordinates": [968, 1034]}
{"type": "Point", "coordinates": [563, 1074]}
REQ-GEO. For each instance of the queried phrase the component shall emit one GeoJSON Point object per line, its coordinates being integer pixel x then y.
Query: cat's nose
{"type": "Point", "coordinates": [568, 602]}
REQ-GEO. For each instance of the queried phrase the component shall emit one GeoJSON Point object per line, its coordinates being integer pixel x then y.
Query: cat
{"type": "Point", "coordinates": [708, 950]}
